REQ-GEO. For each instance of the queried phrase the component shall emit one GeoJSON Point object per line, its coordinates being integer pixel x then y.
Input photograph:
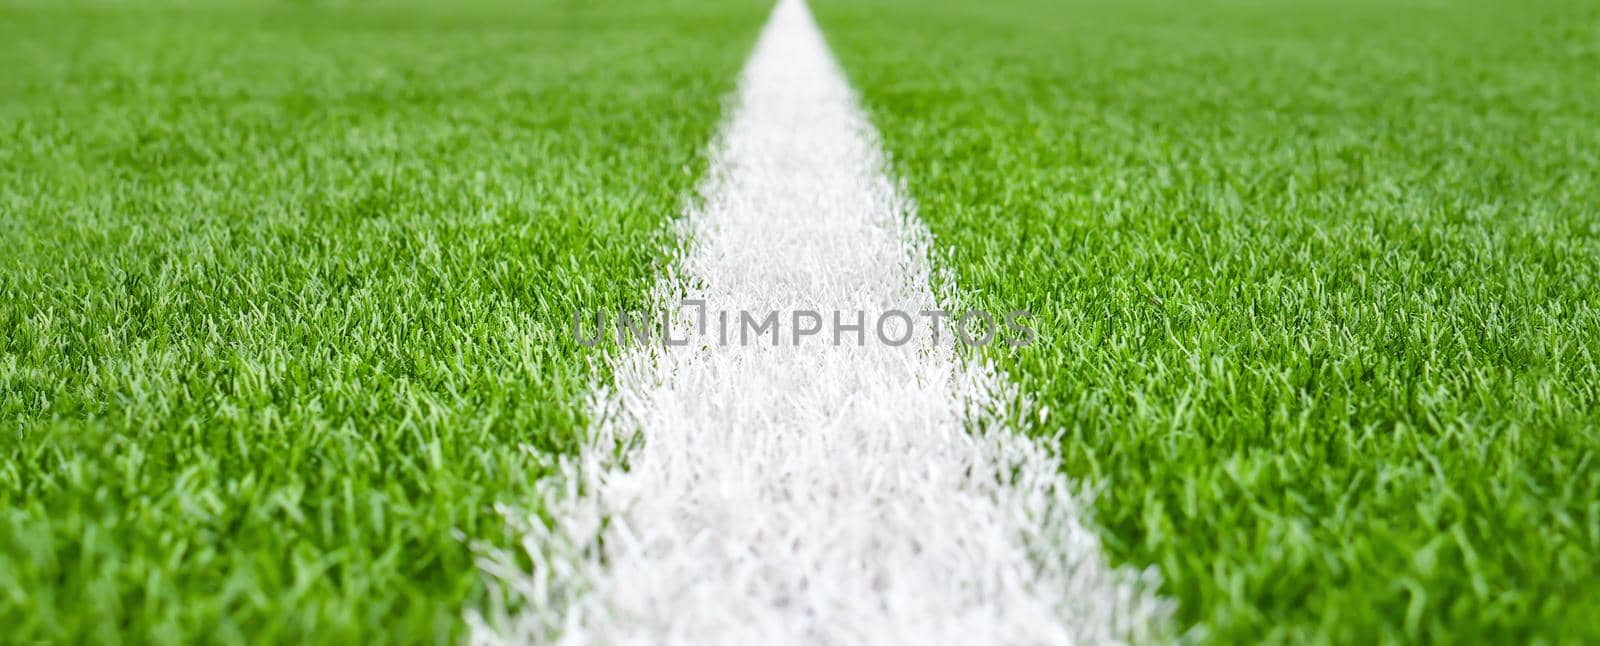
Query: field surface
{"type": "Point", "coordinates": [283, 288]}
{"type": "Point", "coordinates": [1315, 282]}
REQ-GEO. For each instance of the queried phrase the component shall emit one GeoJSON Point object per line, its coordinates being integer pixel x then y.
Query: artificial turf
{"type": "Point", "coordinates": [1315, 283]}
{"type": "Point", "coordinates": [285, 287]}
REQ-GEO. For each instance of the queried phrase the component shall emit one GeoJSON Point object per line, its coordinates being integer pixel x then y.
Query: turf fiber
{"type": "Point", "coordinates": [1315, 285]}
{"type": "Point", "coordinates": [284, 293]}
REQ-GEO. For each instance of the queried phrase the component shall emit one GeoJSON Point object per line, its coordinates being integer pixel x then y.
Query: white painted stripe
{"type": "Point", "coordinates": [819, 493]}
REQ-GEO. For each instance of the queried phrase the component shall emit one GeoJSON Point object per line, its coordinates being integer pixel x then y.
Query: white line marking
{"type": "Point", "coordinates": [812, 494]}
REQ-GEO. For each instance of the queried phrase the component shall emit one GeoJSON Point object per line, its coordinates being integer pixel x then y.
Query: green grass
{"type": "Point", "coordinates": [1316, 286]}
{"type": "Point", "coordinates": [285, 290]}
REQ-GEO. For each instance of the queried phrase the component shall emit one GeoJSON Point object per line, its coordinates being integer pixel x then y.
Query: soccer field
{"type": "Point", "coordinates": [1317, 285]}
{"type": "Point", "coordinates": [284, 294]}
{"type": "Point", "coordinates": [288, 348]}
